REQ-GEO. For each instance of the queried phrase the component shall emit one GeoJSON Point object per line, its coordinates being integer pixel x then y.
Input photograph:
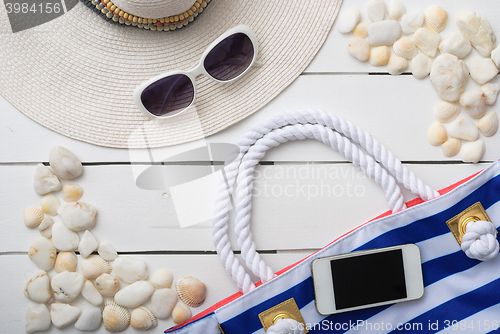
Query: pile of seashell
{"type": "Point", "coordinates": [389, 26]}
{"type": "Point", "coordinates": [99, 278]}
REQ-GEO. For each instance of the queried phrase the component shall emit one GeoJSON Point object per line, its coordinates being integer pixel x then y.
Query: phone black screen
{"type": "Point", "coordinates": [368, 279]}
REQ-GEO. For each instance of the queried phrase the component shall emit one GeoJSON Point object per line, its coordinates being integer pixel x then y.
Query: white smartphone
{"type": "Point", "coordinates": [369, 278]}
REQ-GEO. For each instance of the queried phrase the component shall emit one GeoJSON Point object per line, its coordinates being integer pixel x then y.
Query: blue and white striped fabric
{"type": "Point", "coordinates": [459, 291]}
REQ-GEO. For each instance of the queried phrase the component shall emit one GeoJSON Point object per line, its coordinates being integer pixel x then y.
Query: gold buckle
{"type": "Point", "coordinates": [458, 223]}
{"type": "Point", "coordinates": [287, 309]}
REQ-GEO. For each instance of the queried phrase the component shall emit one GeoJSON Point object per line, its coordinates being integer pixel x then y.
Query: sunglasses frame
{"type": "Point", "coordinates": [199, 69]}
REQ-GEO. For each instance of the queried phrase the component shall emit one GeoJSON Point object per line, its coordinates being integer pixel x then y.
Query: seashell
{"type": "Point", "coordinates": [64, 163]}
{"type": "Point", "coordinates": [488, 124]}
{"type": "Point", "coordinates": [451, 147]}
{"type": "Point", "coordinates": [106, 251]}
{"type": "Point", "coordinates": [89, 320]}
{"type": "Point", "coordinates": [490, 91]}
{"type": "Point", "coordinates": [348, 20]}
{"type": "Point", "coordinates": [380, 55]}
{"type": "Point", "coordinates": [476, 28]}
{"type": "Point", "coordinates": [45, 227]}
{"type": "Point", "coordinates": [37, 318]}
{"type": "Point", "coordinates": [50, 204]}
{"type": "Point", "coordinates": [116, 318]}
{"type": "Point", "coordinates": [359, 48]}
{"type": "Point", "coordinates": [446, 112]}
{"type": "Point", "coordinates": [45, 181]}
{"type": "Point", "coordinates": [94, 266]}
{"type": "Point", "coordinates": [142, 318]}
{"type": "Point", "coordinates": [63, 314]}
{"type": "Point", "coordinates": [135, 294]}
{"type": "Point", "coordinates": [43, 253]}
{"type": "Point", "coordinates": [130, 269]}
{"type": "Point", "coordinates": [495, 56]}
{"type": "Point", "coordinates": [38, 288]}
{"type": "Point", "coordinates": [427, 41]}
{"type": "Point", "coordinates": [63, 238]}
{"type": "Point", "coordinates": [437, 134]}
{"type": "Point", "coordinates": [91, 294]}
{"type": "Point", "coordinates": [463, 128]}
{"type": "Point", "coordinates": [456, 44]}
{"type": "Point", "coordinates": [473, 102]}
{"type": "Point", "coordinates": [405, 48]}
{"type": "Point", "coordinates": [65, 261]}
{"type": "Point", "coordinates": [162, 279]}
{"type": "Point", "coordinates": [396, 9]}
{"type": "Point", "coordinates": [397, 64]}
{"type": "Point", "coordinates": [449, 75]}
{"type": "Point", "coordinates": [473, 151]}
{"type": "Point", "coordinates": [411, 22]}
{"type": "Point", "coordinates": [163, 302]}
{"type": "Point", "coordinates": [77, 216]}
{"type": "Point", "coordinates": [361, 29]}
{"type": "Point", "coordinates": [87, 245]}
{"type": "Point", "coordinates": [435, 18]}
{"type": "Point", "coordinates": [376, 10]}
{"type": "Point", "coordinates": [384, 32]}
{"type": "Point", "coordinates": [72, 192]}
{"type": "Point", "coordinates": [421, 66]}
{"type": "Point", "coordinates": [190, 290]}
{"type": "Point", "coordinates": [33, 216]}
{"type": "Point", "coordinates": [482, 70]}
{"type": "Point", "coordinates": [67, 286]}
{"type": "Point", "coordinates": [107, 285]}
{"type": "Point", "coordinates": [181, 313]}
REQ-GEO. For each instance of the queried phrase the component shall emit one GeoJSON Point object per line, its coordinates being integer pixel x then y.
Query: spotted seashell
{"type": "Point", "coordinates": [451, 147]}
{"type": "Point", "coordinates": [190, 290]}
{"type": "Point", "coordinates": [72, 192]}
{"type": "Point", "coordinates": [181, 312]}
{"type": "Point", "coordinates": [437, 134]}
{"type": "Point", "coordinates": [65, 261]}
{"type": "Point", "coordinates": [446, 112]}
{"type": "Point", "coordinates": [116, 318]}
{"type": "Point", "coordinates": [473, 151]}
{"type": "Point", "coordinates": [405, 48]}
{"type": "Point", "coordinates": [488, 124]}
{"type": "Point", "coordinates": [32, 216]}
{"type": "Point", "coordinates": [142, 318]}
{"type": "Point", "coordinates": [94, 266]}
{"type": "Point", "coordinates": [435, 18]}
{"type": "Point", "coordinates": [49, 204]}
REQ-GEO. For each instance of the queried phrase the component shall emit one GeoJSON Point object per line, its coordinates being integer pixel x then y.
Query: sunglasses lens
{"type": "Point", "coordinates": [230, 58]}
{"type": "Point", "coordinates": [168, 96]}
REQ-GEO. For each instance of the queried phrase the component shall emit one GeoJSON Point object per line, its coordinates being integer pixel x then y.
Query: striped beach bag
{"type": "Point", "coordinates": [455, 230]}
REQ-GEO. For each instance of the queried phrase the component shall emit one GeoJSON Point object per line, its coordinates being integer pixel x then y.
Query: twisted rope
{"type": "Point", "coordinates": [286, 326]}
{"type": "Point", "coordinates": [480, 240]}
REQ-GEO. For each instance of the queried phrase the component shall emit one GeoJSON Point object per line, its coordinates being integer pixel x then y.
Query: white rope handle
{"type": "Point", "coordinates": [480, 241]}
{"type": "Point", "coordinates": [286, 326]}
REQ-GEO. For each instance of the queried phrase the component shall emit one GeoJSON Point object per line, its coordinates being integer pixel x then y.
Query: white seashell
{"type": "Point", "coordinates": [67, 286]}
{"type": "Point", "coordinates": [405, 48]}
{"type": "Point", "coordinates": [490, 91]}
{"type": "Point", "coordinates": [63, 314]}
{"type": "Point", "coordinates": [488, 124]}
{"type": "Point", "coordinates": [142, 318]}
{"type": "Point", "coordinates": [106, 251]}
{"type": "Point", "coordinates": [451, 147]}
{"type": "Point", "coordinates": [63, 238]}
{"type": "Point", "coordinates": [77, 216]}
{"type": "Point", "coordinates": [38, 288]}
{"type": "Point", "coordinates": [32, 216]}
{"type": "Point", "coordinates": [456, 44]}
{"type": "Point", "coordinates": [94, 266]}
{"type": "Point", "coordinates": [116, 318]}
{"type": "Point", "coordinates": [181, 312]}
{"type": "Point", "coordinates": [437, 134]}
{"type": "Point", "coordinates": [463, 128]}
{"type": "Point", "coordinates": [397, 64]}
{"type": "Point", "coordinates": [435, 18]}
{"type": "Point", "coordinates": [130, 269]}
{"type": "Point", "coordinates": [37, 318]}
{"type": "Point", "coordinates": [45, 181]}
{"type": "Point", "coordinates": [449, 75]}
{"type": "Point", "coordinates": [348, 20]}
{"type": "Point", "coordinates": [383, 32]}
{"type": "Point", "coordinates": [87, 245]}
{"type": "Point", "coordinates": [43, 253]}
{"type": "Point", "coordinates": [427, 41]}
{"type": "Point", "coordinates": [482, 70]}
{"type": "Point", "coordinates": [107, 285]}
{"type": "Point", "coordinates": [495, 55]}
{"type": "Point", "coordinates": [421, 66]}
{"type": "Point", "coordinates": [473, 151]}
{"type": "Point", "coordinates": [380, 55]}
{"type": "Point", "coordinates": [135, 294]}
{"type": "Point", "coordinates": [190, 290]}
{"type": "Point", "coordinates": [162, 279]}
{"type": "Point", "coordinates": [89, 320]}
{"type": "Point", "coordinates": [163, 302]}
{"type": "Point", "coordinates": [473, 102]}
{"type": "Point", "coordinates": [45, 227]}
{"type": "Point", "coordinates": [65, 261]}
{"type": "Point", "coordinates": [91, 294]}
{"type": "Point", "coordinates": [72, 192]}
{"type": "Point", "coordinates": [361, 29]}
{"type": "Point", "coordinates": [396, 9]}
{"type": "Point", "coordinates": [446, 112]}
{"type": "Point", "coordinates": [476, 28]}
{"type": "Point", "coordinates": [359, 48]}
{"type": "Point", "coordinates": [411, 22]}
{"type": "Point", "coordinates": [376, 10]}
{"type": "Point", "coordinates": [50, 204]}
{"type": "Point", "coordinates": [64, 163]}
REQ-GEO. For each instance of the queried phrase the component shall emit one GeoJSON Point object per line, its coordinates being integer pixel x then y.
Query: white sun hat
{"type": "Point", "coordinates": [76, 74]}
